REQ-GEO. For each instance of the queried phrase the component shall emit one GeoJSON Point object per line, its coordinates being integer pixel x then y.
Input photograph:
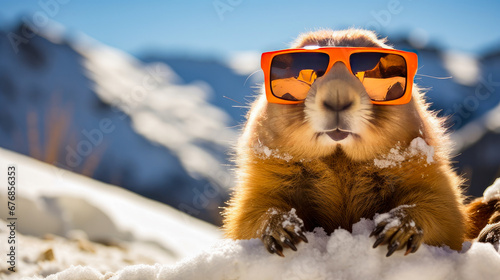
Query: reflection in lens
{"type": "Point", "coordinates": [383, 75]}
{"type": "Point", "coordinates": [292, 74]}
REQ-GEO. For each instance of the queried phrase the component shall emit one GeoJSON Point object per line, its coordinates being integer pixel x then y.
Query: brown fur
{"type": "Point", "coordinates": [333, 186]}
{"type": "Point", "coordinates": [480, 215]}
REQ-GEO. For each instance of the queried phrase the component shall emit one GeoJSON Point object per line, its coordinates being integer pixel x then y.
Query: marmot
{"type": "Point", "coordinates": [336, 158]}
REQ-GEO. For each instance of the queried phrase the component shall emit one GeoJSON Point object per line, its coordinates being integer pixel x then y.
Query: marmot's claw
{"type": "Point", "coordinates": [398, 231]}
{"type": "Point", "coordinates": [376, 231]}
{"type": "Point", "coordinates": [272, 246]}
{"type": "Point", "coordinates": [413, 244]}
{"type": "Point", "coordinates": [392, 248]}
{"type": "Point", "coordinates": [302, 236]}
{"type": "Point", "coordinates": [490, 234]}
{"type": "Point", "coordinates": [379, 241]}
{"type": "Point", "coordinates": [280, 239]}
{"type": "Point", "coordinates": [282, 230]}
{"type": "Point", "coordinates": [290, 244]}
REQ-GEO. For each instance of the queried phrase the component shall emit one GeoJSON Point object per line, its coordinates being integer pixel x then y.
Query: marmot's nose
{"type": "Point", "coordinates": [336, 106]}
{"type": "Point", "coordinates": [338, 90]}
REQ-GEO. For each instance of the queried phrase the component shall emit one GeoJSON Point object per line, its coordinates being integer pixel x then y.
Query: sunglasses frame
{"type": "Point", "coordinates": [341, 54]}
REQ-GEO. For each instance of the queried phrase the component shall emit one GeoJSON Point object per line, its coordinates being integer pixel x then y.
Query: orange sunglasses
{"type": "Point", "coordinates": [386, 74]}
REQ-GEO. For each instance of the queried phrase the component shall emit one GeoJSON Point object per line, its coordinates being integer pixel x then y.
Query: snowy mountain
{"type": "Point", "coordinates": [92, 109]}
{"type": "Point", "coordinates": [234, 88]}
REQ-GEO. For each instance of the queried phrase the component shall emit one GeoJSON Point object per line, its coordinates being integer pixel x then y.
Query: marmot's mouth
{"type": "Point", "coordinates": [337, 134]}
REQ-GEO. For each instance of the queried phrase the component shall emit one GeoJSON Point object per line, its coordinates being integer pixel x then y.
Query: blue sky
{"type": "Point", "coordinates": [220, 27]}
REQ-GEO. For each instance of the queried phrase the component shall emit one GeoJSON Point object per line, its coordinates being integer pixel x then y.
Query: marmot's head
{"type": "Point", "coordinates": [337, 113]}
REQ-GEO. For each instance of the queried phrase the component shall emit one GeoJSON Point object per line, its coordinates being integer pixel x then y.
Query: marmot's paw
{"type": "Point", "coordinates": [281, 230]}
{"type": "Point", "coordinates": [397, 230]}
{"type": "Point", "coordinates": [490, 234]}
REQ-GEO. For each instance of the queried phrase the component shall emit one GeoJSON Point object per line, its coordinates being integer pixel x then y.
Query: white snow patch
{"type": "Point", "coordinates": [393, 158]}
{"type": "Point", "coordinates": [419, 146]}
{"type": "Point", "coordinates": [265, 152]}
{"type": "Point", "coordinates": [393, 217]}
{"type": "Point", "coordinates": [492, 192]}
{"type": "Point", "coordinates": [291, 219]}
{"type": "Point", "coordinates": [397, 155]}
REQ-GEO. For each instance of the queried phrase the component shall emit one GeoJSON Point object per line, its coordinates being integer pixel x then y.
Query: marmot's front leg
{"type": "Point", "coordinates": [281, 229]}
{"type": "Point", "coordinates": [263, 213]}
{"type": "Point", "coordinates": [398, 230]}
{"type": "Point", "coordinates": [429, 213]}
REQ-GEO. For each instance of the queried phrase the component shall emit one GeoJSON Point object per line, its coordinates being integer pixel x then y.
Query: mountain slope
{"type": "Point", "coordinates": [85, 107]}
{"type": "Point", "coordinates": [82, 221]}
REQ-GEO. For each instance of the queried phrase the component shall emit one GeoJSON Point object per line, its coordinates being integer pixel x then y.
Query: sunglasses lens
{"type": "Point", "coordinates": [292, 74]}
{"type": "Point", "coordinates": [383, 75]}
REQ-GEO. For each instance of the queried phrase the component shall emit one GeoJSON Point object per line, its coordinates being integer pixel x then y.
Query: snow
{"type": "Point", "coordinates": [463, 67]}
{"type": "Point", "coordinates": [164, 111]}
{"type": "Point", "coordinates": [397, 155]}
{"type": "Point", "coordinates": [288, 219]}
{"type": "Point", "coordinates": [474, 131]}
{"type": "Point", "coordinates": [391, 159]}
{"type": "Point", "coordinates": [52, 254]}
{"type": "Point", "coordinates": [291, 219]}
{"type": "Point", "coordinates": [419, 146]}
{"type": "Point", "coordinates": [265, 152]}
{"type": "Point", "coordinates": [82, 221]}
{"type": "Point", "coordinates": [492, 192]}
{"type": "Point", "coordinates": [342, 255]}
{"type": "Point", "coordinates": [245, 63]}
{"type": "Point", "coordinates": [394, 218]}
{"type": "Point", "coordinates": [148, 240]}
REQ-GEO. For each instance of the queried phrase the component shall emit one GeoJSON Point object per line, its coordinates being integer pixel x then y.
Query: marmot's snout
{"type": "Point", "coordinates": [335, 101]}
{"type": "Point", "coordinates": [339, 90]}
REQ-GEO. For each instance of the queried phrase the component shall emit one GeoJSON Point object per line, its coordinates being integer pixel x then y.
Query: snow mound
{"type": "Point", "coordinates": [67, 219]}
{"type": "Point", "coordinates": [492, 192]}
{"type": "Point", "coordinates": [343, 255]}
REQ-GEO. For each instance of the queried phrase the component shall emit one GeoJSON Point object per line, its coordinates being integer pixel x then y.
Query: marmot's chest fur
{"type": "Point", "coordinates": [292, 177]}
{"type": "Point", "coordinates": [333, 193]}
